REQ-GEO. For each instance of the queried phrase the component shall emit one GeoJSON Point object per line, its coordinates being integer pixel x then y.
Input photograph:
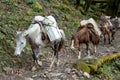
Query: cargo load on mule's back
{"type": "Point", "coordinates": [92, 21]}
{"type": "Point", "coordinates": [43, 32]}
{"type": "Point", "coordinates": [50, 25]}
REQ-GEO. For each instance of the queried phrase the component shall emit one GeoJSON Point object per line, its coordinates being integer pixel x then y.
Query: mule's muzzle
{"type": "Point", "coordinates": [17, 54]}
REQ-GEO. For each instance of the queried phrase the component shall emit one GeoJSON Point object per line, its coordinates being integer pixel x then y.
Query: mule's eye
{"type": "Point", "coordinates": [22, 43]}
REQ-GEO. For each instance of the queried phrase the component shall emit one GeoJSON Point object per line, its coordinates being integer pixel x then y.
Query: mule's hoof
{"type": "Point", "coordinates": [33, 68]}
{"type": "Point", "coordinates": [39, 63]}
{"type": "Point", "coordinates": [58, 63]}
{"type": "Point", "coordinates": [49, 70]}
{"type": "Point", "coordinates": [79, 57]}
{"type": "Point", "coordinates": [86, 74]}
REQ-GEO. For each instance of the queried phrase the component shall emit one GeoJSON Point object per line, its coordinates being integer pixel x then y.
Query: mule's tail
{"type": "Point", "coordinates": [62, 39]}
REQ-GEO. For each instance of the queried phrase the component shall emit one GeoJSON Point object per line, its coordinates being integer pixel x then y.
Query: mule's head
{"type": "Point", "coordinates": [20, 42]}
{"type": "Point", "coordinates": [74, 41]}
{"type": "Point", "coordinates": [116, 22]}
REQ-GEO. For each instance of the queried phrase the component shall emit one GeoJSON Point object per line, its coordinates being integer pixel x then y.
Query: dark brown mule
{"type": "Point", "coordinates": [108, 30]}
{"type": "Point", "coordinates": [85, 34]}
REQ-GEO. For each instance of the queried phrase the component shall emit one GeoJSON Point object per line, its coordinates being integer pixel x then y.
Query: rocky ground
{"type": "Point", "coordinates": [62, 72]}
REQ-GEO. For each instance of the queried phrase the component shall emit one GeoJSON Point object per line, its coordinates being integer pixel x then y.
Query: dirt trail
{"type": "Point", "coordinates": [63, 71]}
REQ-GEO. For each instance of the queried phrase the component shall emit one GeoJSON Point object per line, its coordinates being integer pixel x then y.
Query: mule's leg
{"type": "Point", "coordinates": [113, 33]}
{"type": "Point", "coordinates": [36, 53]}
{"type": "Point", "coordinates": [88, 50]}
{"type": "Point", "coordinates": [53, 60]}
{"type": "Point", "coordinates": [95, 48]}
{"type": "Point", "coordinates": [104, 39]}
{"type": "Point", "coordinates": [79, 49]}
{"type": "Point", "coordinates": [109, 38]}
{"type": "Point", "coordinates": [72, 44]}
{"type": "Point", "coordinates": [56, 45]}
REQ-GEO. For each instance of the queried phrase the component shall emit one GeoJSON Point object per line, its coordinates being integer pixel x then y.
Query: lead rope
{"type": "Point", "coordinates": [42, 32]}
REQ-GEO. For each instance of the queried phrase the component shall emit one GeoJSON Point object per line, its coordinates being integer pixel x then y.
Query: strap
{"type": "Point", "coordinates": [42, 32]}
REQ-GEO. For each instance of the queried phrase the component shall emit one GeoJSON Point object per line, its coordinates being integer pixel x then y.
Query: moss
{"type": "Point", "coordinates": [80, 65]}
{"type": "Point", "coordinates": [93, 67]}
{"type": "Point", "coordinates": [107, 58]}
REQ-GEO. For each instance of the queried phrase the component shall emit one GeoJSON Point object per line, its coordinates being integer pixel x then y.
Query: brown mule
{"type": "Point", "coordinates": [85, 34]}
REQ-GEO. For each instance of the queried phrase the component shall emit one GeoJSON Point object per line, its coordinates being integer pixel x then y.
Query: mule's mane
{"type": "Point", "coordinates": [34, 34]}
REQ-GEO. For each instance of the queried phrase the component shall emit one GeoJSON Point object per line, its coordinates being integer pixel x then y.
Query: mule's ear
{"type": "Point", "coordinates": [25, 33]}
{"type": "Point", "coordinates": [18, 32]}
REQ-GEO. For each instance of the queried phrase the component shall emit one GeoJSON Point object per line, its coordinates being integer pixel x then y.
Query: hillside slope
{"type": "Point", "coordinates": [17, 15]}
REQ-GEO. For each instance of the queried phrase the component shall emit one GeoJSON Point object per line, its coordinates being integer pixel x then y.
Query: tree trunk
{"type": "Point", "coordinates": [77, 3]}
{"type": "Point", "coordinates": [113, 7]}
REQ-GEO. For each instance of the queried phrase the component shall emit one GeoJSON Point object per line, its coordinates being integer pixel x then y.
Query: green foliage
{"type": "Point", "coordinates": [65, 8]}
{"type": "Point", "coordinates": [112, 68]}
{"type": "Point", "coordinates": [66, 2]}
{"type": "Point", "coordinates": [36, 7]}
{"type": "Point", "coordinates": [1, 51]}
{"type": "Point", "coordinates": [106, 74]}
{"type": "Point", "coordinates": [12, 2]}
{"type": "Point", "coordinates": [106, 67]}
{"type": "Point", "coordinates": [31, 1]}
{"type": "Point", "coordinates": [30, 12]}
{"type": "Point", "coordinates": [2, 36]}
